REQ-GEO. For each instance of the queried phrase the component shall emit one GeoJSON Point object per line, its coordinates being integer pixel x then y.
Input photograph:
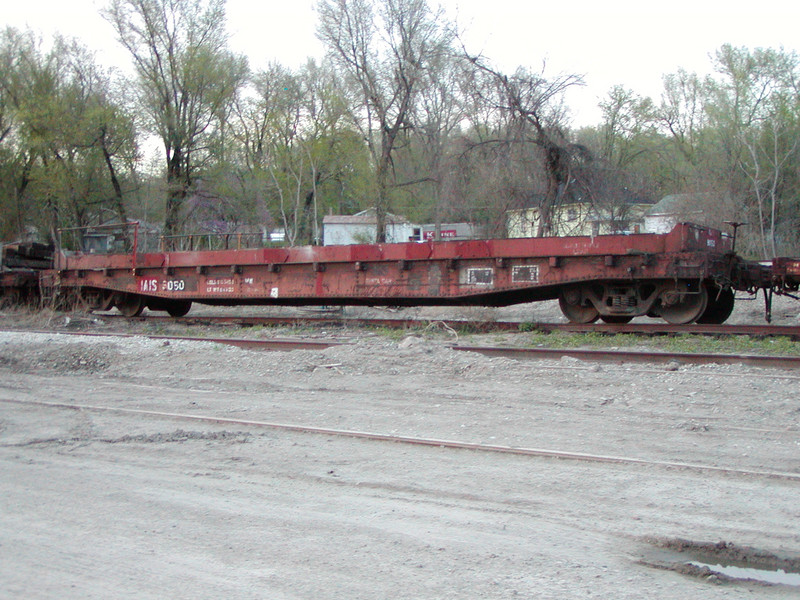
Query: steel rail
{"type": "Point", "coordinates": [249, 344]}
{"type": "Point", "coordinates": [647, 329]}
{"type": "Point", "coordinates": [417, 441]}
{"type": "Point", "coordinates": [785, 362]}
{"type": "Point", "coordinates": [653, 329]}
{"type": "Point", "coordinates": [613, 356]}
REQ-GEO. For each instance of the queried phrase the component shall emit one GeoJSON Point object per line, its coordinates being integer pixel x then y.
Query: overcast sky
{"type": "Point", "coordinates": [627, 42]}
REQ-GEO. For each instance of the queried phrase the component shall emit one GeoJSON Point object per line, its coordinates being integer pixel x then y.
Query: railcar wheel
{"type": "Point", "coordinates": [720, 307]}
{"type": "Point", "coordinates": [106, 301]}
{"type": "Point", "coordinates": [178, 308]}
{"type": "Point", "coordinates": [97, 299]}
{"type": "Point", "coordinates": [575, 310]}
{"type": "Point", "coordinates": [130, 305]}
{"type": "Point", "coordinates": [683, 305]}
{"type": "Point", "coordinates": [10, 298]}
{"type": "Point", "coordinates": [616, 319]}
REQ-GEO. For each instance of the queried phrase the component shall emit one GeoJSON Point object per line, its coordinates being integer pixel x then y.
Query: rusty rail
{"type": "Point", "coordinates": [614, 356]}
{"type": "Point", "coordinates": [624, 356]}
{"type": "Point", "coordinates": [418, 441]}
{"type": "Point", "coordinates": [248, 344]}
{"type": "Point", "coordinates": [643, 329]}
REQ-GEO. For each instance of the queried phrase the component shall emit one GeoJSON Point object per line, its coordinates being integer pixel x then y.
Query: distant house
{"type": "Point", "coordinates": [362, 228]}
{"type": "Point", "coordinates": [581, 218]}
{"type": "Point", "coordinates": [673, 209]}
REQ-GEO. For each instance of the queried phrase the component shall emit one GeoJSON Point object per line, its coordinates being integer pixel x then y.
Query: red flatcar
{"type": "Point", "coordinates": [687, 275]}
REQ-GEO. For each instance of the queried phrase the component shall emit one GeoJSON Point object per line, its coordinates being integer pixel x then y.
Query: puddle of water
{"type": "Point", "coordinates": [779, 576]}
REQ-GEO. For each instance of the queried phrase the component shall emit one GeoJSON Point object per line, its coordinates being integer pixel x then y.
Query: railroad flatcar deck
{"type": "Point", "coordinates": [686, 275]}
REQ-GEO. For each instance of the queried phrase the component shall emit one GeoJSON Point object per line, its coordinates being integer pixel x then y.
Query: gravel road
{"type": "Point", "coordinates": [110, 504]}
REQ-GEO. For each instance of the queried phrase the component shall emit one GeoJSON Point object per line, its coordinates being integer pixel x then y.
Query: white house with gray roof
{"type": "Point", "coordinates": [671, 210]}
{"type": "Point", "coordinates": [362, 228]}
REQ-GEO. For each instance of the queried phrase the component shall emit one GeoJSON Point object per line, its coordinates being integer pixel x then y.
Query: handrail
{"type": "Point", "coordinates": [113, 226]}
{"type": "Point", "coordinates": [195, 240]}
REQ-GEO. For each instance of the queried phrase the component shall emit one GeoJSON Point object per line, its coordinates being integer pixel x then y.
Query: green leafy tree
{"type": "Point", "coordinates": [66, 145]}
{"type": "Point", "coordinates": [299, 149]}
{"type": "Point", "coordinates": [753, 122]}
{"type": "Point", "coordinates": [186, 80]}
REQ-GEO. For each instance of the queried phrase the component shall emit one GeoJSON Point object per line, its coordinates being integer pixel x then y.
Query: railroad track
{"type": "Point", "coordinates": [642, 329]}
{"type": "Point", "coordinates": [249, 344]}
{"type": "Point", "coordinates": [415, 441]}
{"type": "Point", "coordinates": [593, 355]}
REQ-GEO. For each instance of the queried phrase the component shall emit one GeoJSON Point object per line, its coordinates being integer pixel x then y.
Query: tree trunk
{"type": "Point", "coordinates": [119, 205]}
{"type": "Point", "coordinates": [20, 193]}
{"type": "Point", "coordinates": [305, 230]}
{"type": "Point", "coordinates": [554, 169]}
{"type": "Point", "coordinates": [382, 201]}
{"type": "Point", "coordinates": [176, 193]}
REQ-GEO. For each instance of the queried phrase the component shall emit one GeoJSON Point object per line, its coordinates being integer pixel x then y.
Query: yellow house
{"type": "Point", "coordinates": [579, 218]}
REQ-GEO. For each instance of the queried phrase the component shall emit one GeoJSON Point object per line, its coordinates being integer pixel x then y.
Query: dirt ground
{"type": "Point", "coordinates": [103, 504]}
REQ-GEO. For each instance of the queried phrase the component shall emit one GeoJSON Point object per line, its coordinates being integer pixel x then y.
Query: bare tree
{"type": "Point", "coordinates": [768, 159]}
{"type": "Point", "coordinates": [439, 114]}
{"type": "Point", "coordinates": [295, 136]}
{"type": "Point", "coordinates": [754, 115]}
{"type": "Point", "coordinates": [682, 113]}
{"type": "Point", "coordinates": [186, 79]}
{"type": "Point", "coordinates": [384, 48]}
{"type": "Point", "coordinates": [535, 109]}
{"type": "Point", "coordinates": [627, 118]}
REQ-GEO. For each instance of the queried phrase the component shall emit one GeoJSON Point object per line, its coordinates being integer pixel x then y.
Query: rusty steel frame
{"type": "Point", "coordinates": [478, 272]}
